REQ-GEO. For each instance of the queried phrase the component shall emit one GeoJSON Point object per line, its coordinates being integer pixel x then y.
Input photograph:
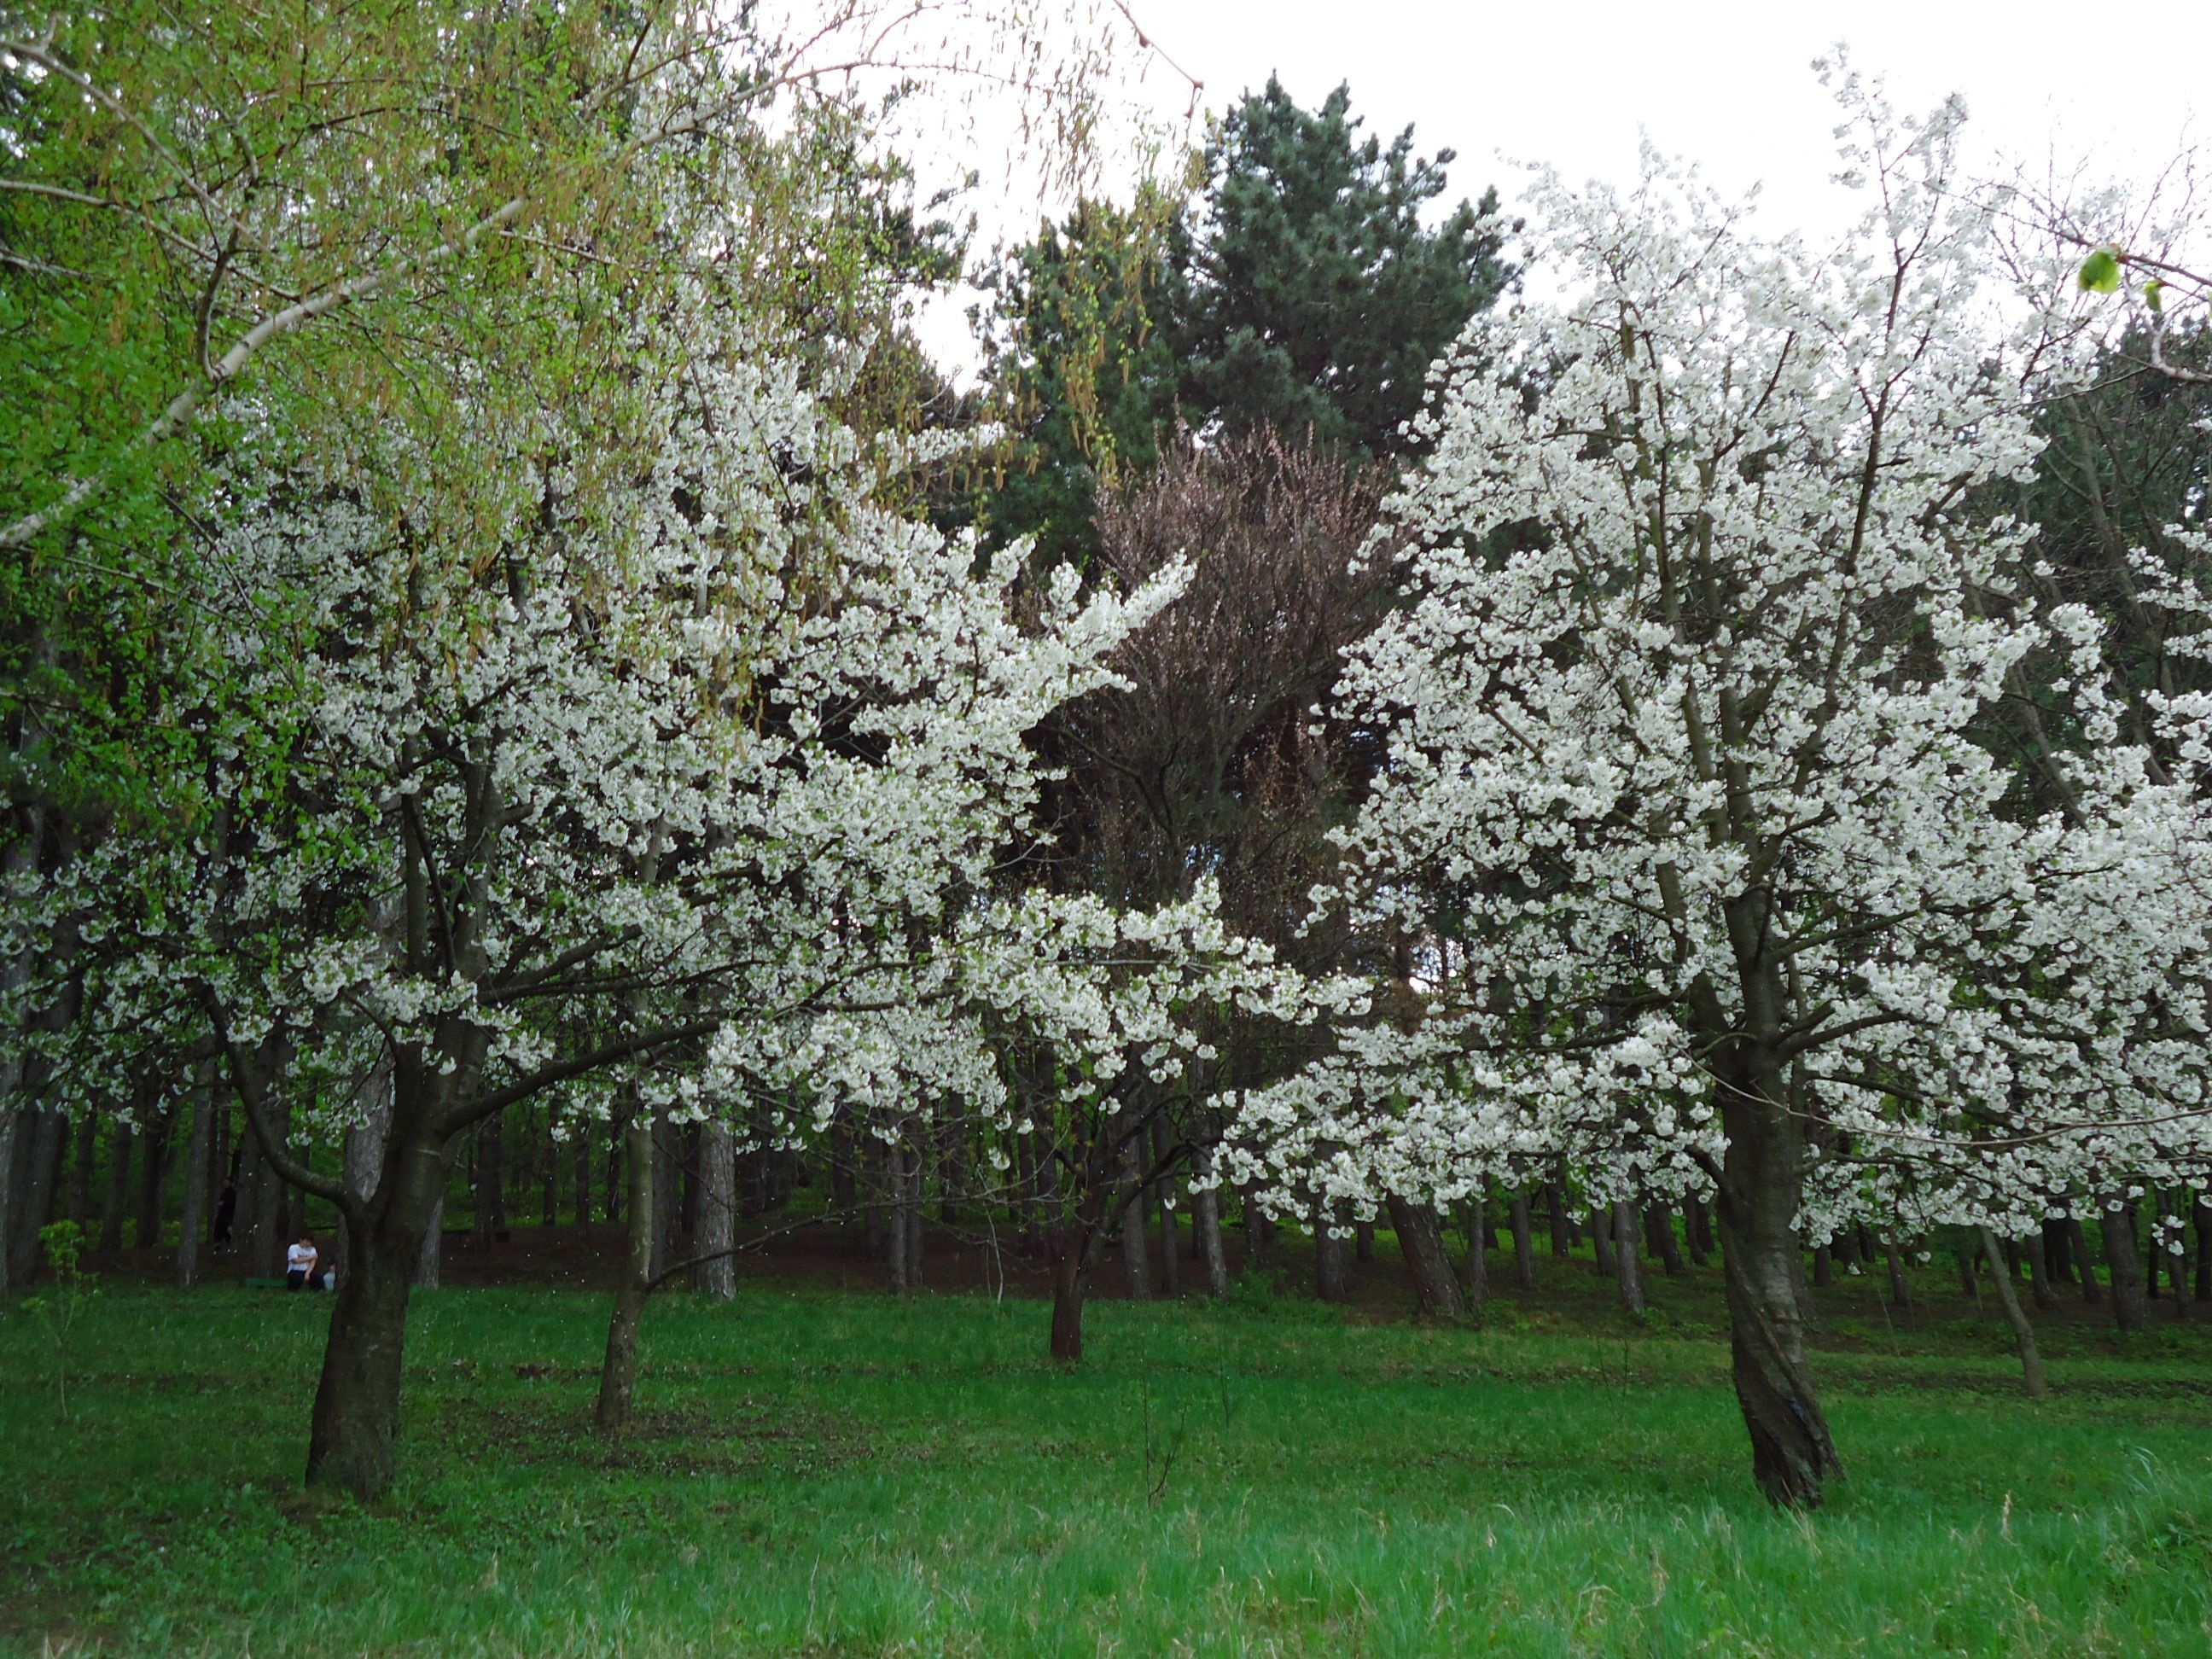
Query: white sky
{"type": "Point", "coordinates": [1728, 85]}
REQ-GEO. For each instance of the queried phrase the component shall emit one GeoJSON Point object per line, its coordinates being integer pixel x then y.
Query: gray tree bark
{"type": "Point", "coordinates": [2023, 1333]}
{"type": "Point", "coordinates": [1627, 1256]}
{"type": "Point", "coordinates": [2123, 1261]}
{"type": "Point", "coordinates": [1478, 1253]}
{"type": "Point", "coordinates": [2078, 1240]}
{"type": "Point", "coordinates": [199, 1156]}
{"type": "Point", "coordinates": [1135, 1264]}
{"type": "Point", "coordinates": [1205, 1224]}
{"type": "Point", "coordinates": [1170, 1257]}
{"type": "Point", "coordinates": [1421, 1241]}
{"type": "Point", "coordinates": [1329, 1253]}
{"type": "Point", "coordinates": [1900, 1288]}
{"type": "Point", "coordinates": [1659, 1223]}
{"type": "Point", "coordinates": [716, 1275]}
{"type": "Point", "coordinates": [618, 1372]}
{"type": "Point", "coordinates": [1524, 1247]}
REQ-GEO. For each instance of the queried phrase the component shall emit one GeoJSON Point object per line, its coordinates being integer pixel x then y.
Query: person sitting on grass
{"type": "Point", "coordinates": [300, 1263]}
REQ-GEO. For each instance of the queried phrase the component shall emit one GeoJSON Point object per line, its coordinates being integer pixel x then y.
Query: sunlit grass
{"type": "Point", "coordinates": [851, 1474]}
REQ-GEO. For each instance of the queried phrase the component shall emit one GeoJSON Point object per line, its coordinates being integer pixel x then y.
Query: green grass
{"type": "Point", "coordinates": [829, 1475]}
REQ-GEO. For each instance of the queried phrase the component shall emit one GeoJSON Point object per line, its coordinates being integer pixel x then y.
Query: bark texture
{"type": "Point", "coordinates": [2023, 1333]}
{"type": "Point", "coordinates": [1762, 1177]}
{"type": "Point", "coordinates": [619, 1374]}
{"type": "Point", "coordinates": [716, 1275]}
{"type": "Point", "coordinates": [1436, 1291]}
{"type": "Point", "coordinates": [2123, 1261]}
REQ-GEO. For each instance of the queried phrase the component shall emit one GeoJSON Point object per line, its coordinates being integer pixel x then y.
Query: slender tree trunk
{"type": "Point", "coordinates": [2057, 1257]}
{"type": "Point", "coordinates": [1329, 1254]}
{"type": "Point", "coordinates": [430, 1253]}
{"type": "Point", "coordinates": [2023, 1333]}
{"type": "Point", "coordinates": [1824, 1268]}
{"type": "Point", "coordinates": [84, 1158]}
{"type": "Point", "coordinates": [1762, 1177]}
{"type": "Point", "coordinates": [2123, 1260]}
{"type": "Point", "coordinates": [1602, 1243]}
{"type": "Point", "coordinates": [1077, 1241]}
{"type": "Point", "coordinates": [1659, 1225]}
{"type": "Point", "coordinates": [41, 1138]}
{"type": "Point", "coordinates": [581, 1179]}
{"type": "Point", "coordinates": [153, 1173]}
{"type": "Point", "coordinates": [1478, 1253]}
{"type": "Point", "coordinates": [665, 1190]}
{"type": "Point", "coordinates": [2077, 1240]}
{"type": "Point", "coordinates": [1421, 1241]}
{"type": "Point", "coordinates": [1205, 1224]}
{"type": "Point", "coordinates": [119, 1147]}
{"type": "Point", "coordinates": [10, 1115]}
{"type": "Point", "coordinates": [909, 1215]}
{"type": "Point", "coordinates": [2202, 1215]}
{"type": "Point", "coordinates": [618, 1375]}
{"type": "Point", "coordinates": [1627, 1256]}
{"type": "Point", "coordinates": [1524, 1250]}
{"type": "Point", "coordinates": [1133, 1262]}
{"type": "Point", "coordinates": [1260, 1232]}
{"type": "Point", "coordinates": [199, 1155]}
{"type": "Point", "coordinates": [717, 1275]}
{"type": "Point", "coordinates": [269, 1195]}
{"type": "Point", "coordinates": [2039, 1274]}
{"type": "Point", "coordinates": [1170, 1257]}
{"type": "Point", "coordinates": [1900, 1288]}
{"type": "Point", "coordinates": [549, 1211]}
{"type": "Point", "coordinates": [1698, 1223]}
{"type": "Point", "coordinates": [1562, 1232]}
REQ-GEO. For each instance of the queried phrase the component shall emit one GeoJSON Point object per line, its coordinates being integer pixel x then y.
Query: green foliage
{"type": "Point", "coordinates": [1295, 290]}
{"type": "Point", "coordinates": [1316, 299]}
{"type": "Point", "coordinates": [2101, 272]}
{"type": "Point", "coordinates": [848, 1475]}
{"type": "Point", "coordinates": [63, 1243]}
{"type": "Point", "coordinates": [1085, 378]}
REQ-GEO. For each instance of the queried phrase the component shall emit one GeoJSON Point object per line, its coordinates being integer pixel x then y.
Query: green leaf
{"type": "Point", "coordinates": [2100, 271]}
{"type": "Point", "coordinates": [2155, 294]}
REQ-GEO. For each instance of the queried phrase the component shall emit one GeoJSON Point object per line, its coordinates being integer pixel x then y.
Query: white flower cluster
{"type": "Point", "coordinates": [694, 793]}
{"type": "Point", "coordinates": [1694, 790]}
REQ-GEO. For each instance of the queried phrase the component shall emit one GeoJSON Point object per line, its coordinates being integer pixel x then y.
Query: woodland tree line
{"type": "Point", "coordinates": [531, 702]}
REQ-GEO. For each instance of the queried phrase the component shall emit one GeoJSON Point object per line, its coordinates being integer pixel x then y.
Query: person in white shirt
{"type": "Point", "coordinates": [300, 1263]}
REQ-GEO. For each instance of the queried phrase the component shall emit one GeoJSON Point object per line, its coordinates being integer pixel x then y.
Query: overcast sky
{"type": "Point", "coordinates": [1728, 85]}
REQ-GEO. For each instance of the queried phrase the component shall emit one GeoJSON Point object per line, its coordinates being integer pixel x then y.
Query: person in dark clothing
{"type": "Point", "coordinates": [226, 1208]}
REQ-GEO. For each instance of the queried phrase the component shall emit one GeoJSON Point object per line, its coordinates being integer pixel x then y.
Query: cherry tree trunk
{"type": "Point", "coordinates": [2124, 1261]}
{"type": "Point", "coordinates": [200, 1157]}
{"type": "Point", "coordinates": [2023, 1333]}
{"type": "Point", "coordinates": [1206, 1224]}
{"type": "Point", "coordinates": [1134, 1258]}
{"type": "Point", "coordinates": [1627, 1263]}
{"type": "Point", "coordinates": [1436, 1291]}
{"type": "Point", "coordinates": [1659, 1225]}
{"type": "Point", "coordinates": [1524, 1254]}
{"type": "Point", "coordinates": [119, 1146]}
{"type": "Point", "coordinates": [353, 1436]}
{"type": "Point", "coordinates": [1762, 1178]}
{"type": "Point", "coordinates": [716, 1275]}
{"type": "Point", "coordinates": [618, 1375]}
{"type": "Point", "coordinates": [1478, 1253]}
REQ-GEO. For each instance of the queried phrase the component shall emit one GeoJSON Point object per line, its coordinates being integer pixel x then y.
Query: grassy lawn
{"type": "Point", "coordinates": [827, 1473]}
